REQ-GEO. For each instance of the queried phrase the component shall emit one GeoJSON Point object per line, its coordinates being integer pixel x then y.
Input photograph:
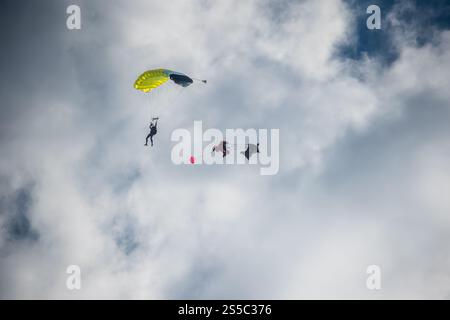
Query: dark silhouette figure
{"type": "Point", "coordinates": [153, 131]}
{"type": "Point", "coordinates": [224, 148]}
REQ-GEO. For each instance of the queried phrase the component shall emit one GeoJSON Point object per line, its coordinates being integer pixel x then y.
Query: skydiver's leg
{"type": "Point", "coordinates": [146, 140]}
{"type": "Point", "coordinates": [151, 139]}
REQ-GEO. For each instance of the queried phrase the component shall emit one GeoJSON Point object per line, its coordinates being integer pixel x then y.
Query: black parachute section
{"type": "Point", "coordinates": [181, 80]}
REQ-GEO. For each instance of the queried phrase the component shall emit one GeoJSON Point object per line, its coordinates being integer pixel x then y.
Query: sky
{"type": "Point", "coordinates": [364, 176]}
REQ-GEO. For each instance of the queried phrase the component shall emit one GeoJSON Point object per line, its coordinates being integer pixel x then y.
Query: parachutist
{"type": "Point", "coordinates": [153, 131]}
{"type": "Point", "coordinates": [152, 79]}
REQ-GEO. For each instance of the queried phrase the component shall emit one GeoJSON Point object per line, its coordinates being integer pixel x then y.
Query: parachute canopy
{"type": "Point", "coordinates": [152, 79]}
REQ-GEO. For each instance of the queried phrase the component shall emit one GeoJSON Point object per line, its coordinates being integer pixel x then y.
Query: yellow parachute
{"type": "Point", "coordinates": [152, 79]}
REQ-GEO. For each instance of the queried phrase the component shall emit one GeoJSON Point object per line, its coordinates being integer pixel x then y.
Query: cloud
{"type": "Point", "coordinates": [363, 155]}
